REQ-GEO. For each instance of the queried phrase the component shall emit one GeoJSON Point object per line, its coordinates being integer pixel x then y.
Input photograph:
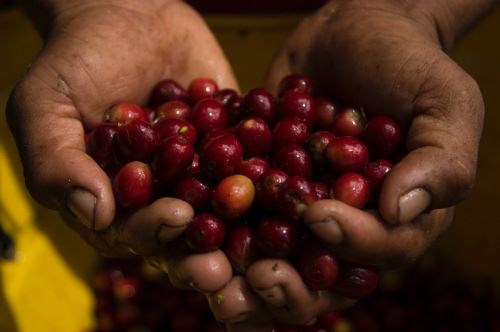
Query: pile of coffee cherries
{"type": "Point", "coordinates": [250, 166]}
{"type": "Point", "coordinates": [132, 296]}
{"type": "Point", "coordinates": [429, 295]}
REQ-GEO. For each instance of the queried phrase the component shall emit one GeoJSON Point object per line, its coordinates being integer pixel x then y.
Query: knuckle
{"type": "Point", "coordinates": [470, 91]}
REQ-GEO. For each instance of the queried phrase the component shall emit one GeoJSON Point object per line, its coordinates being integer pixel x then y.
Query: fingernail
{"type": "Point", "coordinates": [329, 229]}
{"type": "Point", "coordinates": [412, 204]}
{"type": "Point", "coordinates": [275, 296]}
{"type": "Point", "coordinates": [82, 204]}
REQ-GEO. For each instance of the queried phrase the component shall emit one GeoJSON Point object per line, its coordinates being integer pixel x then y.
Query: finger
{"type": "Point", "coordinates": [289, 300]}
{"type": "Point", "coordinates": [205, 272]}
{"type": "Point", "coordinates": [236, 303]}
{"type": "Point", "coordinates": [151, 228]}
{"type": "Point", "coordinates": [58, 172]}
{"type": "Point", "coordinates": [146, 231]}
{"type": "Point", "coordinates": [363, 237]}
{"type": "Point", "coordinates": [442, 141]}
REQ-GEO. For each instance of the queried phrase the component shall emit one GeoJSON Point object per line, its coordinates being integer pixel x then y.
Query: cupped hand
{"type": "Point", "coordinates": [385, 57]}
{"type": "Point", "coordinates": [98, 54]}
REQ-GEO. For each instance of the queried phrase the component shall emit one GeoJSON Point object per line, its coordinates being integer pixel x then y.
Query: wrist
{"type": "Point", "coordinates": [450, 20]}
{"type": "Point", "coordinates": [443, 21]}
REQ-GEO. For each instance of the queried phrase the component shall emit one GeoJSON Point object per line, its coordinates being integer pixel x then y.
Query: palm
{"type": "Point", "coordinates": [98, 55]}
{"type": "Point", "coordinates": [386, 62]}
{"type": "Point", "coordinates": [106, 55]}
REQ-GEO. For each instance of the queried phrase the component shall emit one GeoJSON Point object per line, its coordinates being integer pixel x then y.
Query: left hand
{"type": "Point", "coordinates": [387, 58]}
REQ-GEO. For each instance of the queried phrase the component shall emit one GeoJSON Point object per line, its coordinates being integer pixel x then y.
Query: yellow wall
{"type": "Point", "coordinates": [45, 288]}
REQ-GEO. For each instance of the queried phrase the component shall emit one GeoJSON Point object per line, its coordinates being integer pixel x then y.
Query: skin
{"type": "Point", "coordinates": [387, 56]}
{"type": "Point", "coordinates": [95, 56]}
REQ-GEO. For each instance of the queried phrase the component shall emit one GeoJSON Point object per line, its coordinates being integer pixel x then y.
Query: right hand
{"type": "Point", "coordinates": [97, 54]}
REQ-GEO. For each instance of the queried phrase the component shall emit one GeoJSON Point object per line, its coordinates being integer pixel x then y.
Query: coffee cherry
{"type": "Point", "coordinates": [221, 157]}
{"type": "Point", "coordinates": [268, 187]}
{"type": "Point", "coordinates": [167, 90]}
{"type": "Point", "coordinates": [316, 144]}
{"type": "Point", "coordinates": [349, 122]}
{"type": "Point", "coordinates": [205, 233]}
{"type": "Point", "coordinates": [216, 133]}
{"type": "Point", "coordinates": [297, 104]}
{"type": "Point", "coordinates": [255, 136]}
{"type": "Point", "coordinates": [294, 196]}
{"type": "Point", "coordinates": [202, 88]}
{"type": "Point", "coordinates": [133, 185]}
{"type": "Point", "coordinates": [346, 154]}
{"type": "Point", "coordinates": [352, 189]}
{"type": "Point", "coordinates": [232, 103]}
{"type": "Point", "coordinates": [375, 173]}
{"type": "Point", "coordinates": [241, 248]}
{"type": "Point", "coordinates": [294, 160]}
{"type": "Point", "coordinates": [167, 128]}
{"type": "Point", "coordinates": [290, 131]}
{"type": "Point", "coordinates": [123, 113]}
{"type": "Point", "coordinates": [382, 136]}
{"type": "Point", "coordinates": [277, 238]}
{"type": "Point", "coordinates": [226, 96]}
{"type": "Point", "coordinates": [233, 196]}
{"type": "Point", "coordinates": [317, 267]}
{"type": "Point", "coordinates": [175, 109]}
{"type": "Point", "coordinates": [356, 281]}
{"type": "Point", "coordinates": [321, 190]}
{"type": "Point", "coordinates": [325, 111]}
{"type": "Point", "coordinates": [101, 143]}
{"type": "Point", "coordinates": [137, 140]}
{"type": "Point", "coordinates": [174, 155]}
{"type": "Point", "coordinates": [193, 191]}
{"type": "Point", "coordinates": [254, 168]}
{"type": "Point", "coordinates": [126, 289]}
{"type": "Point", "coordinates": [294, 82]}
{"type": "Point", "coordinates": [207, 115]}
{"type": "Point", "coordinates": [259, 103]}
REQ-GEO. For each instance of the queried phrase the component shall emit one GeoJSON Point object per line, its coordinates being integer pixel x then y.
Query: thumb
{"type": "Point", "coordinates": [443, 141]}
{"type": "Point", "coordinates": [50, 138]}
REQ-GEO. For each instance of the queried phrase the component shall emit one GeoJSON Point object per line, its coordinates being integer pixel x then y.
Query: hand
{"type": "Point", "coordinates": [386, 58]}
{"type": "Point", "coordinates": [97, 54]}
